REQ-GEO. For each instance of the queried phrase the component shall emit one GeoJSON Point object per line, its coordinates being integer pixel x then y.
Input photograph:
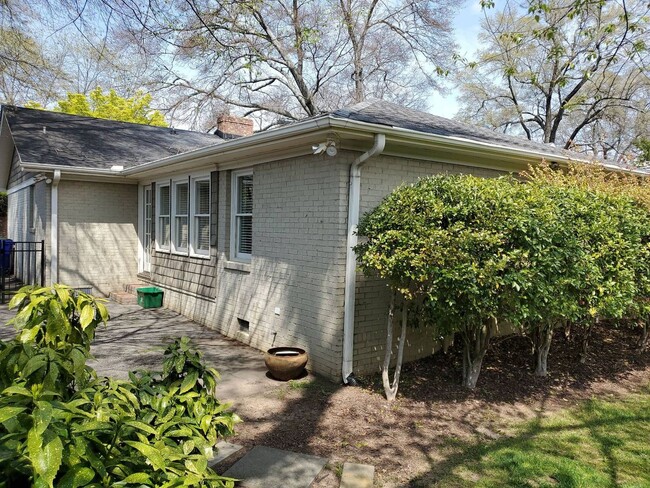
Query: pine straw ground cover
{"type": "Point", "coordinates": [584, 425]}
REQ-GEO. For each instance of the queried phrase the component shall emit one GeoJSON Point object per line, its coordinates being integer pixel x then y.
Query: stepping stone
{"type": "Point", "coordinates": [224, 450]}
{"type": "Point", "coordinates": [266, 467]}
{"type": "Point", "coordinates": [357, 476]}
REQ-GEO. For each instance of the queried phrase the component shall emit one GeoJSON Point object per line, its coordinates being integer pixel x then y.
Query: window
{"type": "Point", "coordinates": [241, 230]}
{"type": "Point", "coordinates": [163, 232]}
{"type": "Point", "coordinates": [181, 216]}
{"type": "Point", "coordinates": [201, 217]}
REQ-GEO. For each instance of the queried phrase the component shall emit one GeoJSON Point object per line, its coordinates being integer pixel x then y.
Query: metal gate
{"type": "Point", "coordinates": [21, 263]}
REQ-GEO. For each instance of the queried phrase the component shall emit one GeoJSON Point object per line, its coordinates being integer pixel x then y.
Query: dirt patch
{"type": "Point", "coordinates": [408, 440]}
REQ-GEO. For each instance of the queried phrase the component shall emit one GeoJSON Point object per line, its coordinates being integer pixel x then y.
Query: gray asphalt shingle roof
{"type": "Point", "coordinates": [73, 141]}
{"type": "Point", "coordinates": [392, 115]}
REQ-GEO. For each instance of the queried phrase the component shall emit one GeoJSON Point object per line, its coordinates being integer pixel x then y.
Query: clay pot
{"type": "Point", "coordinates": [285, 363]}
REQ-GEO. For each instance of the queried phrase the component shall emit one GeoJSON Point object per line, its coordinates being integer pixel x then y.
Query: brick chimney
{"type": "Point", "coordinates": [231, 127]}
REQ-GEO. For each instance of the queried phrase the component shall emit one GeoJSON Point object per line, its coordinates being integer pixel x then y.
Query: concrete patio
{"type": "Point", "coordinates": [135, 338]}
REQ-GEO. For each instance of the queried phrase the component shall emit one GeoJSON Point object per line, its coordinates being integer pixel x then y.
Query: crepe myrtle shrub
{"type": "Point", "coordinates": [443, 246]}
{"type": "Point", "coordinates": [607, 276]}
{"type": "Point", "coordinates": [63, 426]}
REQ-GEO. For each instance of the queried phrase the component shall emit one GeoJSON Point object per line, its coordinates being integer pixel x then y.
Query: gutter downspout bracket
{"type": "Point", "coordinates": [354, 203]}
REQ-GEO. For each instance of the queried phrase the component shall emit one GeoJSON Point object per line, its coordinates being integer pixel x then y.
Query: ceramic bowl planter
{"type": "Point", "coordinates": [285, 363]}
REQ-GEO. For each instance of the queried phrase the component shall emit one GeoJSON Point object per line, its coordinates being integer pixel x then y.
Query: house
{"type": "Point", "coordinates": [249, 234]}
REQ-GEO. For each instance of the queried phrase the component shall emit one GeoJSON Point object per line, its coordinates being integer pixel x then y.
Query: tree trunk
{"type": "Point", "coordinates": [390, 388]}
{"type": "Point", "coordinates": [643, 340]}
{"type": "Point", "coordinates": [476, 341]}
{"type": "Point", "coordinates": [568, 336]}
{"type": "Point", "coordinates": [542, 347]}
{"type": "Point", "coordinates": [447, 342]}
{"type": "Point", "coordinates": [584, 346]}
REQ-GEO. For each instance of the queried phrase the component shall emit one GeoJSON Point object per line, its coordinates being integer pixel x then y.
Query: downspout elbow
{"type": "Point", "coordinates": [354, 203]}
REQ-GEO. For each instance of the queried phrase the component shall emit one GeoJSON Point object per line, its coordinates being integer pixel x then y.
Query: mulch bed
{"type": "Point", "coordinates": [410, 439]}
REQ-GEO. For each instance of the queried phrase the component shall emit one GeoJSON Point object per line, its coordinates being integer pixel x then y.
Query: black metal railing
{"type": "Point", "coordinates": [21, 263]}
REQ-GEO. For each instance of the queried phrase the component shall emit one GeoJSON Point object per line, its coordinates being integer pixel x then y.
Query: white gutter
{"type": "Point", "coordinates": [233, 145]}
{"type": "Point", "coordinates": [54, 229]}
{"type": "Point", "coordinates": [242, 146]}
{"type": "Point", "coordinates": [354, 202]}
{"type": "Point", "coordinates": [70, 170]}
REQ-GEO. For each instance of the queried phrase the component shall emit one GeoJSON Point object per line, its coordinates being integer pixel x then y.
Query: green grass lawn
{"type": "Point", "coordinates": [600, 444]}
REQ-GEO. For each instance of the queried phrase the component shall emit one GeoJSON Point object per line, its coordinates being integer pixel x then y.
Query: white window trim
{"type": "Point", "coordinates": [198, 253]}
{"type": "Point", "coordinates": [182, 251]}
{"type": "Point", "coordinates": [234, 200]}
{"type": "Point", "coordinates": [159, 246]}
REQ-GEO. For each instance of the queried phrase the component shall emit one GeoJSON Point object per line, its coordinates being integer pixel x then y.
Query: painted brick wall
{"type": "Point", "coordinates": [379, 177]}
{"type": "Point", "coordinates": [298, 264]}
{"type": "Point", "coordinates": [98, 239]}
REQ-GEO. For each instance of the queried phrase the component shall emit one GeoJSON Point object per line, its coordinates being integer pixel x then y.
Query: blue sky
{"type": "Point", "coordinates": [466, 26]}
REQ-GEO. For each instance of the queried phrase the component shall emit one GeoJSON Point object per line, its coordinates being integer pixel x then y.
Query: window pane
{"type": "Point", "coordinates": [202, 197]}
{"type": "Point", "coordinates": [182, 194]}
{"type": "Point", "coordinates": [164, 200]}
{"type": "Point", "coordinates": [245, 235]}
{"type": "Point", "coordinates": [202, 233]}
{"type": "Point", "coordinates": [180, 232]}
{"type": "Point", "coordinates": [164, 231]}
{"type": "Point", "coordinates": [245, 194]}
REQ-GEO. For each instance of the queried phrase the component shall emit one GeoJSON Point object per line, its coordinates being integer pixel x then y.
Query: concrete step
{"type": "Point", "coordinates": [224, 451]}
{"type": "Point", "coordinates": [124, 297]}
{"type": "Point", "coordinates": [266, 467]}
{"type": "Point", "coordinates": [133, 287]}
{"type": "Point", "coordinates": [357, 476]}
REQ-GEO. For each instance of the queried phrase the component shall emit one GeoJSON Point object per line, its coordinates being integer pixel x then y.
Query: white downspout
{"type": "Point", "coordinates": [54, 229]}
{"type": "Point", "coordinates": [354, 202]}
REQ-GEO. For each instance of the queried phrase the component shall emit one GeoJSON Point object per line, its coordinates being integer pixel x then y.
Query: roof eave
{"type": "Point", "coordinates": [245, 150]}
{"type": "Point", "coordinates": [73, 170]}
{"type": "Point", "coordinates": [240, 147]}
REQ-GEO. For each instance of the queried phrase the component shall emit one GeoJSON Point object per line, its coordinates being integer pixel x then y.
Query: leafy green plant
{"type": "Point", "coordinates": [61, 425]}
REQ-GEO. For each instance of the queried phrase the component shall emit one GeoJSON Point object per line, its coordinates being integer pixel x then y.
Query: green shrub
{"type": "Point", "coordinates": [465, 253]}
{"type": "Point", "coordinates": [61, 425]}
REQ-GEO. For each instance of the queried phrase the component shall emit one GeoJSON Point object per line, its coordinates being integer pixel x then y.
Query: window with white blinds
{"type": "Point", "coordinates": [163, 207]}
{"type": "Point", "coordinates": [241, 235]}
{"type": "Point", "coordinates": [183, 215]}
{"type": "Point", "coordinates": [200, 243]}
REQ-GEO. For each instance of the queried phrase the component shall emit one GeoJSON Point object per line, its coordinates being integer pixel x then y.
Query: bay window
{"type": "Point", "coordinates": [183, 216]}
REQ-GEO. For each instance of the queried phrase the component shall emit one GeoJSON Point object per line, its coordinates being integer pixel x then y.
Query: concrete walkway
{"type": "Point", "coordinates": [135, 338]}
